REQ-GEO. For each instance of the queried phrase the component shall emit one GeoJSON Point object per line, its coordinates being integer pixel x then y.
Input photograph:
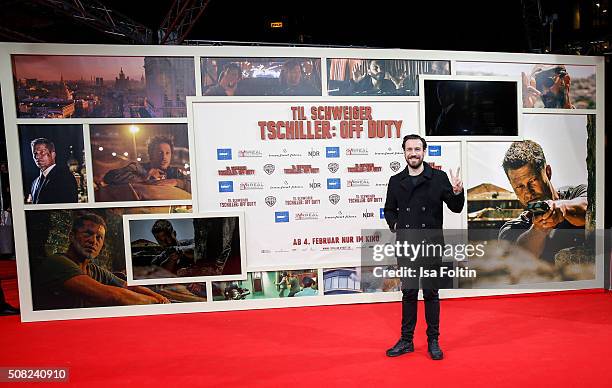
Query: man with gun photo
{"type": "Point", "coordinates": [547, 209]}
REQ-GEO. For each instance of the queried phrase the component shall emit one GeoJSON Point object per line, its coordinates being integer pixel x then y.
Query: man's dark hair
{"type": "Point", "coordinates": [413, 137]}
{"type": "Point", "coordinates": [42, 140]}
{"type": "Point", "coordinates": [522, 153]}
{"type": "Point", "coordinates": [162, 226]}
{"type": "Point", "coordinates": [307, 281]}
{"type": "Point", "coordinates": [156, 141]}
{"type": "Point", "coordinates": [229, 67]}
{"type": "Point", "coordinates": [290, 64]}
{"type": "Point", "coordinates": [381, 63]}
{"type": "Point", "coordinates": [79, 220]}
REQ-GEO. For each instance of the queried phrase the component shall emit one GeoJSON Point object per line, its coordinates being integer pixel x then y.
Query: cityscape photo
{"type": "Point", "coordinates": [63, 86]}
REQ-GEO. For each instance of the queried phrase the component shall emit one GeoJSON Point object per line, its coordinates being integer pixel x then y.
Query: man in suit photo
{"type": "Point", "coordinates": [55, 183]}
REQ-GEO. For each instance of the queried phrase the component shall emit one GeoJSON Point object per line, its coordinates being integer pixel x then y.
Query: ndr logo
{"type": "Point", "coordinates": [314, 153]}
{"type": "Point", "coordinates": [224, 154]}
{"type": "Point", "coordinates": [332, 152]}
{"type": "Point", "coordinates": [333, 183]}
{"type": "Point", "coordinates": [281, 216]}
{"type": "Point", "coordinates": [226, 187]}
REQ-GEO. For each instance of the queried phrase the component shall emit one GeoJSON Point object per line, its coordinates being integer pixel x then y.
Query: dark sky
{"type": "Point", "coordinates": [476, 25]}
{"type": "Point", "coordinates": [451, 25]}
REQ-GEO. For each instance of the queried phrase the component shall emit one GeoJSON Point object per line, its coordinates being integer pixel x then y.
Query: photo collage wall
{"type": "Point", "coordinates": [106, 136]}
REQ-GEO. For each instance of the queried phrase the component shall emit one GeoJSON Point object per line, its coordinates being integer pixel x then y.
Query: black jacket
{"type": "Point", "coordinates": [60, 187]}
{"type": "Point", "coordinates": [419, 206]}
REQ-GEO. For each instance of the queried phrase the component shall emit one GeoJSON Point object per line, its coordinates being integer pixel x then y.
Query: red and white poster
{"type": "Point", "coordinates": [310, 176]}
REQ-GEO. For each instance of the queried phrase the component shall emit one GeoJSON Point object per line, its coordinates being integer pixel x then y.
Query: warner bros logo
{"type": "Point", "coordinates": [269, 169]}
{"type": "Point", "coordinates": [270, 201]}
{"type": "Point", "coordinates": [334, 199]}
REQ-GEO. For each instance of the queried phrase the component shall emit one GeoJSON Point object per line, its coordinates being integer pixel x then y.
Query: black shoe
{"type": "Point", "coordinates": [433, 347]}
{"type": "Point", "coordinates": [7, 309]}
{"type": "Point", "coordinates": [402, 346]}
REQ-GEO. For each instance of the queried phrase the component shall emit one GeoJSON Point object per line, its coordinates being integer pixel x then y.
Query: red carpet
{"type": "Point", "coordinates": [563, 339]}
{"type": "Point", "coordinates": [8, 279]}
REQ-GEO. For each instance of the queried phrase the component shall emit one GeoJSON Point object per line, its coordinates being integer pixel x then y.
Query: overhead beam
{"type": "Point", "coordinates": [96, 15]}
{"type": "Point", "coordinates": [179, 21]}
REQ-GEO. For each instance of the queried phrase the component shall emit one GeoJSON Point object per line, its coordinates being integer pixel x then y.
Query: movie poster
{"type": "Point", "coordinates": [181, 249]}
{"type": "Point", "coordinates": [70, 86]}
{"type": "Point", "coordinates": [379, 77]}
{"type": "Point", "coordinates": [532, 201]}
{"type": "Point", "coordinates": [261, 76]}
{"type": "Point", "coordinates": [556, 86]}
{"type": "Point", "coordinates": [309, 176]}
{"type": "Point", "coordinates": [53, 165]}
{"type": "Point", "coordinates": [143, 162]}
{"type": "Point", "coordinates": [269, 285]}
{"type": "Point", "coordinates": [77, 260]}
{"type": "Point", "coordinates": [358, 280]}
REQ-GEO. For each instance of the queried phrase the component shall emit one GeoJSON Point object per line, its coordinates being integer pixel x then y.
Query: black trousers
{"type": "Point", "coordinates": [409, 312]}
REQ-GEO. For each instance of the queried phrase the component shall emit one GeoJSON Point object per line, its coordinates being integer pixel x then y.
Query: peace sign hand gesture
{"type": "Point", "coordinates": [456, 181]}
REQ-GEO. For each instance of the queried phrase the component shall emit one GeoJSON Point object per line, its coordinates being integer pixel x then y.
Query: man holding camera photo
{"type": "Point", "coordinates": [547, 209]}
{"type": "Point", "coordinates": [547, 87]}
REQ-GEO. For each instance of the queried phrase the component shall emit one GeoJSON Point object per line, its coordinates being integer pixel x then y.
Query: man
{"type": "Point", "coordinates": [374, 82]}
{"type": "Point", "coordinates": [414, 201]}
{"type": "Point", "coordinates": [157, 171]}
{"type": "Point", "coordinates": [547, 87]}
{"type": "Point", "coordinates": [292, 81]}
{"type": "Point", "coordinates": [177, 254]}
{"type": "Point", "coordinates": [529, 176]}
{"type": "Point", "coordinates": [72, 280]}
{"type": "Point", "coordinates": [230, 77]}
{"type": "Point", "coordinates": [282, 285]}
{"type": "Point", "coordinates": [55, 183]}
{"type": "Point", "coordinates": [294, 285]}
{"type": "Point", "coordinates": [307, 282]}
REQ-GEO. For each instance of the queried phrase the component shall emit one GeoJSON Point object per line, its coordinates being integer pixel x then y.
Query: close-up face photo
{"type": "Point", "coordinates": [43, 157]}
{"type": "Point", "coordinates": [161, 156]}
{"type": "Point", "coordinates": [88, 239]}
{"type": "Point", "coordinates": [414, 152]}
{"type": "Point", "coordinates": [530, 185]}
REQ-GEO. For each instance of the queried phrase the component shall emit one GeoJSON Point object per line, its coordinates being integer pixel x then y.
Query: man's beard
{"type": "Point", "coordinates": [83, 254]}
{"type": "Point", "coordinates": [415, 162]}
{"type": "Point", "coordinates": [378, 76]}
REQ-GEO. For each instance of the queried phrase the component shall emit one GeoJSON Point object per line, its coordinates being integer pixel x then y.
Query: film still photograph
{"type": "Point", "coordinates": [470, 108]}
{"type": "Point", "coordinates": [65, 86]}
{"type": "Point", "coordinates": [392, 77]}
{"type": "Point", "coordinates": [337, 281]}
{"type": "Point", "coordinates": [371, 281]}
{"type": "Point", "coordinates": [266, 285]}
{"type": "Point", "coordinates": [261, 76]}
{"type": "Point", "coordinates": [143, 162]}
{"type": "Point", "coordinates": [53, 164]}
{"type": "Point", "coordinates": [185, 247]}
{"type": "Point", "coordinates": [77, 260]}
{"type": "Point", "coordinates": [533, 202]}
{"type": "Point", "coordinates": [556, 86]}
